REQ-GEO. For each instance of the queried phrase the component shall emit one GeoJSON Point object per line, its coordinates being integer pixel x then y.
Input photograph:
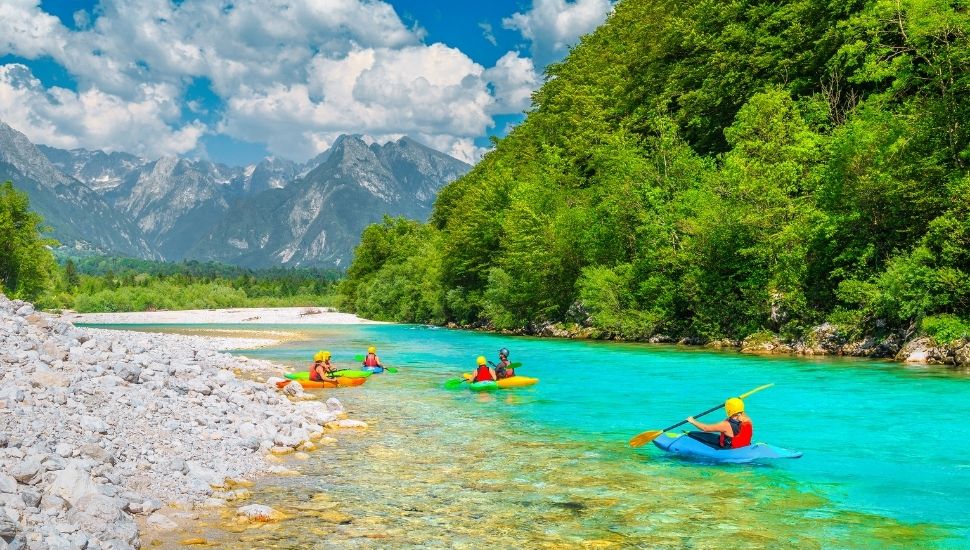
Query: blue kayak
{"type": "Point", "coordinates": [682, 444]}
{"type": "Point", "coordinates": [375, 370]}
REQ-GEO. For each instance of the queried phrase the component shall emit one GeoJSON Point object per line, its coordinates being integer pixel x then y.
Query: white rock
{"type": "Point", "coordinates": [64, 450]}
{"type": "Point", "coordinates": [257, 512]}
{"type": "Point", "coordinates": [7, 483]}
{"type": "Point", "coordinates": [25, 471]}
{"type": "Point", "coordinates": [93, 424]}
{"type": "Point", "coordinates": [72, 484]}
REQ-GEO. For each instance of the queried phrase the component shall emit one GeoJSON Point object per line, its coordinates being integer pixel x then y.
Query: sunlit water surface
{"type": "Point", "coordinates": [887, 463]}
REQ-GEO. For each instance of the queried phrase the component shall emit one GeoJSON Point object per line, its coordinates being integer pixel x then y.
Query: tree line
{"type": "Point", "coordinates": [712, 170]}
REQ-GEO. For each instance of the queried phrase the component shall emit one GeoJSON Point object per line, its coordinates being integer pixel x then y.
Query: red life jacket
{"type": "Point", "coordinates": [482, 374]}
{"type": "Point", "coordinates": [371, 360]}
{"type": "Point", "coordinates": [743, 431]}
{"type": "Point", "coordinates": [314, 375]}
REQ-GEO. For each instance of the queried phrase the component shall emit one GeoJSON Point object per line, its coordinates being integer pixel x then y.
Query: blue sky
{"type": "Point", "coordinates": [234, 81]}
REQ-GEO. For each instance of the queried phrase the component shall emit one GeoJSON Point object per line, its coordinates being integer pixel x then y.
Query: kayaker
{"type": "Point", "coordinates": [321, 368]}
{"type": "Point", "coordinates": [483, 373]}
{"type": "Point", "coordinates": [372, 360]}
{"type": "Point", "coordinates": [502, 369]}
{"type": "Point", "coordinates": [733, 432]}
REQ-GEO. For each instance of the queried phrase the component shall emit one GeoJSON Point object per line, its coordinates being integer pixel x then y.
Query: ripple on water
{"type": "Point", "coordinates": [548, 467]}
{"type": "Point", "coordinates": [474, 481]}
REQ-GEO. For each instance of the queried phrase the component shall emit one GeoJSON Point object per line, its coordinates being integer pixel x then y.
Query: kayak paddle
{"type": "Point", "coordinates": [648, 436]}
{"type": "Point", "coordinates": [454, 383]}
{"type": "Point", "coordinates": [360, 359]}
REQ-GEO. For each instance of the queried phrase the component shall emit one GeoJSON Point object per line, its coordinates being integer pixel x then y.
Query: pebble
{"type": "Point", "coordinates": [98, 425]}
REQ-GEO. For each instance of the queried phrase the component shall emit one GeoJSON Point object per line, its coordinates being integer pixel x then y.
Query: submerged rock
{"type": "Point", "coordinates": [259, 512]}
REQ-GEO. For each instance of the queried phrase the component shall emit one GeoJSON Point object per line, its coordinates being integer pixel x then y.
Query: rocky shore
{"type": "Point", "coordinates": [98, 427]}
{"type": "Point", "coordinates": [825, 339]}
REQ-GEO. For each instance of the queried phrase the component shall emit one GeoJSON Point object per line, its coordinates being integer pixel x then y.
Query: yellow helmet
{"type": "Point", "coordinates": [372, 349]}
{"type": "Point", "coordinates": [321, 356]}
{"type": "Point", "coordinates": [481, 360]}
{"type": "Point", "coordinates": [733, 406]}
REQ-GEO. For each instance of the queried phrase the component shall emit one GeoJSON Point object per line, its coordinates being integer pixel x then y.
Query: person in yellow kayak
{"type": "Point", "coordinates": [733, 432]}
{"type": "Point", "coordinates": [372, 362]}
{"type": "Point", "coordinates": [502, 369]}
{"type": "Point", "coordinates": [483, 373]}
{"type": "Point", "coordinates": [321, 368]}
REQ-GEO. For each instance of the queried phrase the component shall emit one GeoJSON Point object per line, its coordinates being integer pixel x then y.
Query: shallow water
{"type": "Point", "coordinates": [549, 466]}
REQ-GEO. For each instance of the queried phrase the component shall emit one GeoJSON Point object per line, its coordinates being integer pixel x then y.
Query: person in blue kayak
{"type": "Point", "coordinates": [502, 369]}
{"type": "Point", "coordinates": [483, 373]}
{"type": "Point", "coordinates": [321, 368]}
{"type": "Point", "coordinates": [371, 361]}
{"type": "Point", "coordinates": [733, 432]}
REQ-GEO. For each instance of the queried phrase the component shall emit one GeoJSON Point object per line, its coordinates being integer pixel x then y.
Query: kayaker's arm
{"type": "Point", "coordinates": [723, 426]}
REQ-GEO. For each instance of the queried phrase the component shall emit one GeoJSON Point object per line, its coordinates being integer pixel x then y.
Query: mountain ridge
{"type": "Point", "coordinates": [175, 208]}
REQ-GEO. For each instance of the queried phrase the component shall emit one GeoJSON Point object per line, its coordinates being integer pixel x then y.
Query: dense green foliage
{"type": "Point", "coordinates": [25, 259]}
{"type": "Point", "coordinates": [712, 169]}
{"type": "Point", "coordinates": [105, 283]}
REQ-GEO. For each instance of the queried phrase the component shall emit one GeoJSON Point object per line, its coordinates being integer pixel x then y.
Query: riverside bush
{"type": "Point", "coordinates": [946, 328]}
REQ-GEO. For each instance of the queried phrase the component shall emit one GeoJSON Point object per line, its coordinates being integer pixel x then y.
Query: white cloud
{"type": "Point", "coordinates": [419, 90]}
{"type": "Point", "coordinates": [514, 79]}
{"type": "Point", "coordinates": [93, 119]}
{"type": "Point", "coordinates": [487, 33]}
{"type": "Point", "coordinates": [27, 31]}
{"type": "Point", "coordinates": [552, 26]}
{"type": "Point", "coordinates": [293, 74]}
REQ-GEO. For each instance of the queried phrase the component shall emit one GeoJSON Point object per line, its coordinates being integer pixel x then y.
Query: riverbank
{"type": "Point", "coordinates": [262, 315]}
{"type": "Point", "coordinates": [821, 340]}
{"type": "Point", "coordinates": [98, 427]}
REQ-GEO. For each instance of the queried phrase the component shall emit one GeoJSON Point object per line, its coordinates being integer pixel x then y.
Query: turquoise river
{"type": "Point", "coordinates": [886, 454]}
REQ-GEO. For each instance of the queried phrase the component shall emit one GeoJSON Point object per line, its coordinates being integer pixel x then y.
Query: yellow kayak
{"type": "Point", "coordinates": [510, 382]}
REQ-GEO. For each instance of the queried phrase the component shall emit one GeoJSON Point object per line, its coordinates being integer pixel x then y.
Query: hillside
{"type": "Point", "coordinates": [706, 173]}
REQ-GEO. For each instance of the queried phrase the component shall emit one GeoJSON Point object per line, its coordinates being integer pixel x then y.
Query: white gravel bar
{"type": "Point", "coordinates": [98, 426]}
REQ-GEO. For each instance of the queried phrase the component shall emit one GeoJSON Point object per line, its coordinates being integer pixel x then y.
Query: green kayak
{"type": "Point", "coordinates": [346, 373]}
{"type": "Point", "coordinates": [487, 385]}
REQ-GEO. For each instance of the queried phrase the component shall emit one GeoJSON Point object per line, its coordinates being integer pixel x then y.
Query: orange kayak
{"type": "Point", "coordinates": [341, 382]}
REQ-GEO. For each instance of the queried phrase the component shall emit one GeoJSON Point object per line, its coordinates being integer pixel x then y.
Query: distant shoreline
{"type": "Point", "coordinates": [241, 316]}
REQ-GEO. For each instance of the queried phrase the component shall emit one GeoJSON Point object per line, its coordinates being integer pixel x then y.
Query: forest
{"type": "Point", "coordinates": [708, 170]}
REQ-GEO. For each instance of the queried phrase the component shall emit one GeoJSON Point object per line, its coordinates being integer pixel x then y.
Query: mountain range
{"type": "Point", "coordinates": [276, 212]}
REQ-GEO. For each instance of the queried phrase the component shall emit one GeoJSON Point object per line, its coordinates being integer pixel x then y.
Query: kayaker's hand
{"type": "Point", "coordinates": [691, 419]}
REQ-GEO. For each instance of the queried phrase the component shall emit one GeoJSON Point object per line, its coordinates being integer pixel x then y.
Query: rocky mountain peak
{"type": "Point", "coordinates": [274, 212]}
{"type": "Point", "coordinates": [17, 151]}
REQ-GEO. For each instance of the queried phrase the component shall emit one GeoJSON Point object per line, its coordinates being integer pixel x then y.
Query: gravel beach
{"type": "Point", "coordinates": [100, 426]}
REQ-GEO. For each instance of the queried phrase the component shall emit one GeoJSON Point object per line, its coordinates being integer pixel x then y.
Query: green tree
{"type": "Point", "coordinates": [26, 262]}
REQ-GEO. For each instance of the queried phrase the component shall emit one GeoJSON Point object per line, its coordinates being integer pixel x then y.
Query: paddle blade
{"type": "Point", "coordinates": [756, 390]}
{"type": "Point", "coordinates": [391, 369]}
{"type": "Point", "coordinates": [358, 358]}
{"type": "Point", "coordinates": [453, 384]}
{"type": "Point", "coordinates": [644, 438]}
{"type": "Point", "coordinates": [515, 365]}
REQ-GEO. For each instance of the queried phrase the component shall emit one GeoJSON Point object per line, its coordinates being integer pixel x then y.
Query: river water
{"type": "Point", "coordinates": [886, 456]}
